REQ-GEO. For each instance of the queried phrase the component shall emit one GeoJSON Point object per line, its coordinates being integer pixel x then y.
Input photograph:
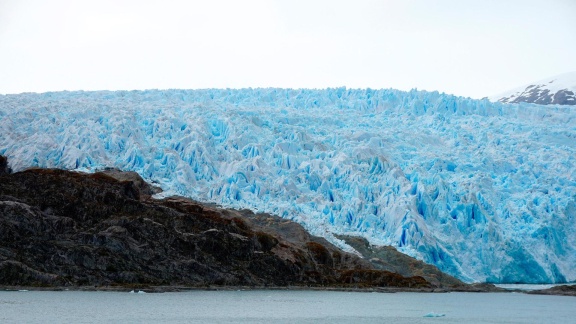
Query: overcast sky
{"type": "Point", "coordinates": [470, 48]}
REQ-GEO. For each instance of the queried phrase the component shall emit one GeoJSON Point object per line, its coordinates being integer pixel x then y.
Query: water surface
{"type": "Point", "coordinates": [269, 306]}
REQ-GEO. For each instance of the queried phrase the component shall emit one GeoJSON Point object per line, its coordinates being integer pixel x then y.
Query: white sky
{"type": "Point", "coordinates": [471, 48]}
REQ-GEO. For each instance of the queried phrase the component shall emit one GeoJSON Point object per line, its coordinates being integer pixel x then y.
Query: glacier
{"type": "Point", "coordinates": [485, 191]}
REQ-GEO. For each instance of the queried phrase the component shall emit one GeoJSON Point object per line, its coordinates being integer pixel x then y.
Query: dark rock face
{"type": "Point", "coordinates": [4, 169]}
{"type": "Point", "coordinates": [563, 290]}
{"type": "Point", "coordinates": [62, 228]}
{"type": "Point", "coordinates": [389, 259]}
{"type": "Point", "coordinates": [145, 189]}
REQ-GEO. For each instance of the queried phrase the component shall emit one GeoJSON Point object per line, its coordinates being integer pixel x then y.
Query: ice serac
{"type": "Point", "coordinates": [485, 191]}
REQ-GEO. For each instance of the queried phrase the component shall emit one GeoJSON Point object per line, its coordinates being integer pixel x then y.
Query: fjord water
{"type": "Point", "coordinates": [282, 306]}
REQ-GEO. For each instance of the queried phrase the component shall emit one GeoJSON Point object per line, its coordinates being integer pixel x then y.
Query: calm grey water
{"type": "Point", "coordinates": [267, 306]}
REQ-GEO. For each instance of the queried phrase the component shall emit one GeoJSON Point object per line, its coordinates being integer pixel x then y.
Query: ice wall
{"type": "Point", "coordinates": [486, 191]}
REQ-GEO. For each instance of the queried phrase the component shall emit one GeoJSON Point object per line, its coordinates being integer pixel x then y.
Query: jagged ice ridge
{"type": "Point", "coordinates": [485, 191]}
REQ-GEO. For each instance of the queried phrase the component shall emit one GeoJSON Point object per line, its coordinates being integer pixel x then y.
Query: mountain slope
{"type": "Point", "coordinates": [60, 228]}
{"type": "Point", "coordinates": [558, 90]}
{"type": "Point", "coordinates": [485, 191]}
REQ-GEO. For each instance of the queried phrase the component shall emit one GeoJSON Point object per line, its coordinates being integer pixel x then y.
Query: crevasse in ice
{"type": "Point", "coordinates": [485, 191]}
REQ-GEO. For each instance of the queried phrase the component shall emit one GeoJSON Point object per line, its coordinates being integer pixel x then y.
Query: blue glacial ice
{"type": "Point", "coordinates": [485, 191]}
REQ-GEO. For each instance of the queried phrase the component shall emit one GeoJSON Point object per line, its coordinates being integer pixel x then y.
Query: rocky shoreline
{"type": "Point", "coordinates": [162, 289]}
{"type": "Point", "coordinates": [563, 290]}
{"type": "Point", "coordinates": [64, 230]}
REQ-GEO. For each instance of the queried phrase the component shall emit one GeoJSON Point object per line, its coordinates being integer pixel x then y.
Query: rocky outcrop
{"type": "Point", "coordinates": [62, 228]}
{"type": "Point", "coordinates": [145, 189]}
{"type": "Point", "coordinates": [563, 290]}
{"type": "Point", "coordinates": [4, 169]}
{"type": "Point", "coordinates": [557, 90]}
{"type": "Point", "coordinates": [389, 259]}
{"type": "Point", "coordinates": [539, 95]}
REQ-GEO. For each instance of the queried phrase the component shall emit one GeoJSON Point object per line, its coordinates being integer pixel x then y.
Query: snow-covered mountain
{"type": "Point", "coordinates": [485, 191]}
{"type": "Point", "coordinates": [558, 90]}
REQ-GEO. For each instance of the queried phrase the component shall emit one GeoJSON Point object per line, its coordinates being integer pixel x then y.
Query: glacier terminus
{"type": "Point", "coordinates": [484, 190]}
